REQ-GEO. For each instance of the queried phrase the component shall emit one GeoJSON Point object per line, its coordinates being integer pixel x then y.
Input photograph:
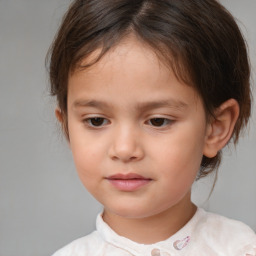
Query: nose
{"type": "Point", "coordinates": [126, 145]}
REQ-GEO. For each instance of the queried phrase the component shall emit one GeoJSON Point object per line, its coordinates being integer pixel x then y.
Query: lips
{"type": "Point", "coordinates": [128, 182]}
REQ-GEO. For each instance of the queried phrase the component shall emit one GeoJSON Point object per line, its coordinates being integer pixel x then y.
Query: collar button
{"type": "Point", "coordinates": [155, 252]}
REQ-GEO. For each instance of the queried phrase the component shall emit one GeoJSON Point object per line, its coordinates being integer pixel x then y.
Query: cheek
{"type": "Point", "coordinates": [85, 154]}
{"type": "Point", "coordinates": [179, 173]}
{"type": "Point", "coordinates": [86, 167]}
{"type": "Point", "coordinates": [180, 157]}
{"type": "Point", "coordinates": [182, 153]}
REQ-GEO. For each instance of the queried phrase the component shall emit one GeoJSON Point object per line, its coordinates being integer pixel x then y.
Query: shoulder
{"type": "Point", "coordinates": [88, 245]}
{"type": "Point", "coordinates": [217, 224]}
{"type": "Point", "coordinates": [226, 235]}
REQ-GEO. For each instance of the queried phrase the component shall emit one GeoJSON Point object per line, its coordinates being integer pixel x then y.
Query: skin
{"type": "Point", "coordinates": [149, 124]}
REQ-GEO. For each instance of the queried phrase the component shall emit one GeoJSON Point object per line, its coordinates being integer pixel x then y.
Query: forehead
{"type": "Point", "coordinates": [129, 54]}
{"type": "Point", "coordinates": [129, 51]}
{"type": "Point", "coordinates": [131, 67]}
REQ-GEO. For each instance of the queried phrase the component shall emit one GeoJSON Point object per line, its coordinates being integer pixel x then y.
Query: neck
{"type": "Point", "coordinates": [163, 225]}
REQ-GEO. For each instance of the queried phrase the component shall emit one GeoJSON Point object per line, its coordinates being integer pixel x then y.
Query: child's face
{"type": "Point", "coordinates": [137, 134]}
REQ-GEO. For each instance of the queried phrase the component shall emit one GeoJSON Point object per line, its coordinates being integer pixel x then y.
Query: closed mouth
{"type": "Point", "coordinates": [129, 176]}
{"type": "Point", "coordinates": [128, 182]}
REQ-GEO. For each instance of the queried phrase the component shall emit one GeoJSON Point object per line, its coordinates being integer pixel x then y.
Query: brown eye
{"type": "Point", "coordinates": [158, 122]}
{"type": "Point", "coordinates": [96, 121]}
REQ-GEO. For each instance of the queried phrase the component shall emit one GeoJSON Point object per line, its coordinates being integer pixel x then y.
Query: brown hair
{"type": "Point", "coordinates": [198, 39]}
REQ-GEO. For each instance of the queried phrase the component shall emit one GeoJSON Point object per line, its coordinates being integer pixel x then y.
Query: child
{"type": "Point", "coordinates": [149, 92]}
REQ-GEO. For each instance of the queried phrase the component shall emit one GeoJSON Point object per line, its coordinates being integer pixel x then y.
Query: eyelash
{"type": "Point", "coordinates": [163, 122]}
{"type": "Point", "coordinates": [88, 121]}
{"type": "Point", "coordinates": [160, 122]}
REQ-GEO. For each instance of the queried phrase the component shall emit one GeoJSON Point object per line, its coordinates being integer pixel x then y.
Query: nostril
{"type": "Point", "coordinates": [126, 145]}
{"type": "Point", "coordinates": [125, 154]}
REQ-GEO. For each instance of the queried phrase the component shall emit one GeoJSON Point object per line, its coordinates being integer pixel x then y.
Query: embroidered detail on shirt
{"type": "Point", "coordinates": [180, 244]}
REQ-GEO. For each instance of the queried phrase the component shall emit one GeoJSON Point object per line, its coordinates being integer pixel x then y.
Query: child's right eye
{"type": "Point", "coordinates": [96, 121]}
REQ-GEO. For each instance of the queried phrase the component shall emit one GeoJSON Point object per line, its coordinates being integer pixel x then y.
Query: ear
{"type": "Point", "coordinates": [58, 115]}
{"type": "Point", "coordinates": [220, 128]}
{"type": "Point", "coordinates": [62, 119]}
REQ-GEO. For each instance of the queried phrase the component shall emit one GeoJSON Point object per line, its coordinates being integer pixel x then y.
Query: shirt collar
{"type": "Point", "coordinates": [178, 244]}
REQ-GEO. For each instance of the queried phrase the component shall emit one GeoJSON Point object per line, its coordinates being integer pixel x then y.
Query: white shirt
{"type": "Point", "coordinates": [206, 234]}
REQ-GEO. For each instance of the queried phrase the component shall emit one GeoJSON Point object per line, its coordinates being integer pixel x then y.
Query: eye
{"type": "Point", "coordinates": [159, 122]}
{"type": "Point", "coordinates": [96, 121]}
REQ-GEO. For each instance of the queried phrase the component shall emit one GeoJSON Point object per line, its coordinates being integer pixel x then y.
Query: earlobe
{"type": "Point", "coordinates": [221, 127]}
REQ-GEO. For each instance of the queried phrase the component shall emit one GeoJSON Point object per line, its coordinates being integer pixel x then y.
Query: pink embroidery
{"type": "Point", "coordinates": [180, 244]}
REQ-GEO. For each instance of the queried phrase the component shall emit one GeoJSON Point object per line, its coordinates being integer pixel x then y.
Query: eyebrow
{"type": "Point", "coordinates": [91, 103]}
{"type": "Point", "coordinates": [170, 103]}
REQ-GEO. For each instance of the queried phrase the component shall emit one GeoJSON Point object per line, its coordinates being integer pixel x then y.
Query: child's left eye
{"type": "Point", "coordinates": [159, 122]}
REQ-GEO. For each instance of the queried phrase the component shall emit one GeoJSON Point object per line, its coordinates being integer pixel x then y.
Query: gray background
{"type": "Point", "coordinates": [43, 205]}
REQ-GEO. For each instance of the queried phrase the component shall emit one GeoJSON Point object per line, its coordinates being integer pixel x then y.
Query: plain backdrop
{"type": "Point", "coordinates": [43, 205]}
